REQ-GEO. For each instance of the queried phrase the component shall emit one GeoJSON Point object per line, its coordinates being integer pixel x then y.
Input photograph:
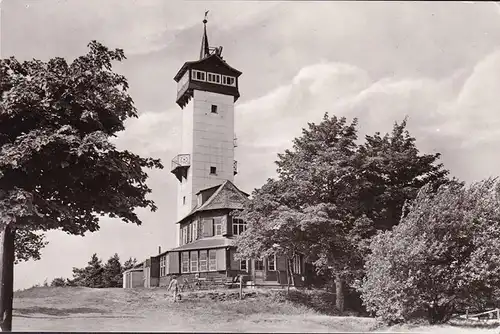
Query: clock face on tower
{"type": "Point", "coordinates": [184, 159]}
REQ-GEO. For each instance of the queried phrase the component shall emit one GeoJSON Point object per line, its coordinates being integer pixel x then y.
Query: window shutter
{"type": "Point", "coordinates": [224, 224]}
{"type": "Point", "coordinates": [208, 228]}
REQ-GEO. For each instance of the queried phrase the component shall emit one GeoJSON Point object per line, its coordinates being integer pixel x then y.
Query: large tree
{"type": "Point", "coordinates": [332, 194]}
{"type": "Point", "coordinates": [58, 167]}
{"type": "Point", "coordinates": [442, 257]}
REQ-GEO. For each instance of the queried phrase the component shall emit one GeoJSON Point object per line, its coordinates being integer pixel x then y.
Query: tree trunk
{"type": "Point", "coordinates": [291, 280]}
{"type": "Point", "coordinates": [339, 293]}
{"type": "Point", "coordinates": [6, 277]}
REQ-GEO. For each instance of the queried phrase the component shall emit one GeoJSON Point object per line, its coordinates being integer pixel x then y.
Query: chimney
{"type": "Point", "coordinates": [159, 249]}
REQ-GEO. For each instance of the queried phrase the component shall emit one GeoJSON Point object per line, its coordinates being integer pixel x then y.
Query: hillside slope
{"type": "Point", "coordinates": [84, 309]}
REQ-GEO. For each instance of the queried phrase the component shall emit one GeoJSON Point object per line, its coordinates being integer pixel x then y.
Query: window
{"type": "Point", "coordinates": [213, 170]}
{"type": "Point", "coordinates": [184, 200]}
{"type": "Point", "coordinates": [228, 81]}
{"type": "Point", "coordinates": [194, 262]}
{"type": "Point", "coordinates": [163, 265]}
{"type": "Point", "coordinates": [212, 260]}
{"type": "Point", "coordinates": [184, 262]}
{"type": "Point", "coordinates": [214, 109]}
{"type": "Point", "coordinates": [217, 226]}
{"type": "Point", "coordinates": [198, 75]}
{"type": "Point", "coordinates": [244, 265]}
{"type": "Point", "coordinates": [212, 77]}
{"type": "Point", "coordinates": [203, 260]}
{"type": "Point", "coordinates": [259, 265]}
{"type": "Point", "coordinates": [271, 263]}
{"type": "Point", "coordinates": [239, 226]}
{"type": "Point", "coordinates": [297, 268]}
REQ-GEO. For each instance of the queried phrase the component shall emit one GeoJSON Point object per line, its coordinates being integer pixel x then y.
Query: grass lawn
{"type": "Point", "coordinates": [84, 309]}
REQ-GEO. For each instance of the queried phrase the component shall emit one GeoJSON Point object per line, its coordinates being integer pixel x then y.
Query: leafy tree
{"type": "Point", "coordinates": [443, 256]}
{"type": "Point", "coordinates": [28, 244]}
{"type": "Point", "coordinates": [333, 194]}
{"type": "Point", "coordinates": [58, 168]}
{"type": "Point", "coordinates": [395, 171]}
{"type": "Point", "coordinates": [92, 275]}
{"type": "Point", "coordinates": [112, 273]}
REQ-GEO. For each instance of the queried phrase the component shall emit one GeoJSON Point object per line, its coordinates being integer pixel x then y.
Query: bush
{"type": "Point", "coordinates": [442, 257]}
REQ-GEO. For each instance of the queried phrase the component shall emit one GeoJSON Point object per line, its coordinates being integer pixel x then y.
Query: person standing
{"type": "Point", "coordinates": [174, 286]}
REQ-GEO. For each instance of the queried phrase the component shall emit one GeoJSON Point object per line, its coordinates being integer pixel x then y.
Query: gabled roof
{"type": "Point", "coordinates": [205, 243]}
{"type": "Point", "coordinates": [227, 196]}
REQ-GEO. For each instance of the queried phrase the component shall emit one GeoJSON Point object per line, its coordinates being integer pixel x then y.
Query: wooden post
{"type": "Point", "coordinates": [498, 314]}
{"type": "Point", "coordinates": [466, 313]}
{"type": "Point", "coordinates": [241, 287]}
{"type": "Point", "coordinates": [6, 277]}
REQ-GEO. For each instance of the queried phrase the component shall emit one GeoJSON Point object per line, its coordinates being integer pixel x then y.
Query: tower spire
{"type": "Point", "coordinates": [205, 49]}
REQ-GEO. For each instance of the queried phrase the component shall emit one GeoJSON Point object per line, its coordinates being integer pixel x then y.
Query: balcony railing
{"type": "Point", "coordinates": [180, 165]}
{"type": "Point", "coordinates": [235, 167]}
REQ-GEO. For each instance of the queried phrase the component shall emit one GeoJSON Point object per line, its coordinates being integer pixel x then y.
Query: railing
{"type": "Point", "coordinates": [486, 315]}
{"type": "Point", "coordinates": [181, 160]}
{"type": "Point", "coordinates": [235, 167]}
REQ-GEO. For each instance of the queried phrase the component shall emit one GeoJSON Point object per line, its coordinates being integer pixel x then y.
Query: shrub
{"type": "Point", "coordinates": [443, 256]}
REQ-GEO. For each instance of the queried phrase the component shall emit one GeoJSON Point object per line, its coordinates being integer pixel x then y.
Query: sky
{"type": "Point", "coordinates": [436, 62]}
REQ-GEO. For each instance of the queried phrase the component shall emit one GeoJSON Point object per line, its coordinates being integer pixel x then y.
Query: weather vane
{"type": "Point", "coordinates": [205, 20]}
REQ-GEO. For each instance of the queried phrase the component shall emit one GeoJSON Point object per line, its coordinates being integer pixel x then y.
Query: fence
{"type": "Point", "coordinates": [486, 315]}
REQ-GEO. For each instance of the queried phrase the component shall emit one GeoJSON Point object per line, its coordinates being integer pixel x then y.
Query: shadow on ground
{"type": "Point", "coordinates": [478, 325]}
{"type": "Point", "coordinates": [58, 312]}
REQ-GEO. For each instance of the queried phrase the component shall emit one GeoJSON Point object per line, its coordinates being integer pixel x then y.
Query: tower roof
{"type": "Point", "coordinates": [227, 196]}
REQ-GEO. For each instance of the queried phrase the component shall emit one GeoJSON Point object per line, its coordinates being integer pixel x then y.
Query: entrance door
{"type": "Point", "coordinates": [259, 270]}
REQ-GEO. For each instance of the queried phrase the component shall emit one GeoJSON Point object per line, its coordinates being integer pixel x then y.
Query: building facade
{"type": "Point", "coordinates": [207, 198]}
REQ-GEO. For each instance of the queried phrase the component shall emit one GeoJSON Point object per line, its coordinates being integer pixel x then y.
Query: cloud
{"type": "Point", "coordinates": [452, 115]}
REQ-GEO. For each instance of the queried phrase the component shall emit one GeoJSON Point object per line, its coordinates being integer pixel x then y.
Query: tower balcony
{"type": "Point", "coordinates": [180, 165]}
{"type": "Point", "coordinates": [235, 167]}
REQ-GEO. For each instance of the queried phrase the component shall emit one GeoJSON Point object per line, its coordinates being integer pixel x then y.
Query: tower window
{"type": "Point", "coordinates": [213, 170]}
{"type": "Point", "coordinates": [212, 77]}
{"type": "Point", "coordinates": [228, 81]}
{"type": "Point", "coordinates": [214, 109]}
{"type": "Point", "coordinates": [184, 200]}
{"type": "Point", "coordinates": [198, 75]}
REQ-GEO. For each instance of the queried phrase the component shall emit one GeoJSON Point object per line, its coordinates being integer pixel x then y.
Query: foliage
{"type": "Point", "coordinates": [332, 194]}
{"type": "Point", "coordinates": [130, 263]}
{"type": "Point", "coordinates": [112, 273]}
{"type": "Point", "coordinates": [443, 256]}
{"type": "Point", "coordinates": [395, 170]}
{"type": "Point", "coordinates": [58, 168]}
{"type": "Point", "coordinates": [91, 276]}
{"type": "Point", "coordinates": [97, 275]}
{"type": "Point", "coordinates": [58, 282]}
{"type": "Point", "coordinates": [28, 244]}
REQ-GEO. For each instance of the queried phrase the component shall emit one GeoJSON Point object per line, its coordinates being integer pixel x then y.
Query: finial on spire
{"type": "Point", "coordinates": [205, 48]}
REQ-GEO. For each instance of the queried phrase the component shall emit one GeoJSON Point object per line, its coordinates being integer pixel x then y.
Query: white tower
{"type": "Point", "coordinates": [206, 91]}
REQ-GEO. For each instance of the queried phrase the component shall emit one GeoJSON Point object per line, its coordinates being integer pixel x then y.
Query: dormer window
{"type": "Point", "coordinates": [198, 75]}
